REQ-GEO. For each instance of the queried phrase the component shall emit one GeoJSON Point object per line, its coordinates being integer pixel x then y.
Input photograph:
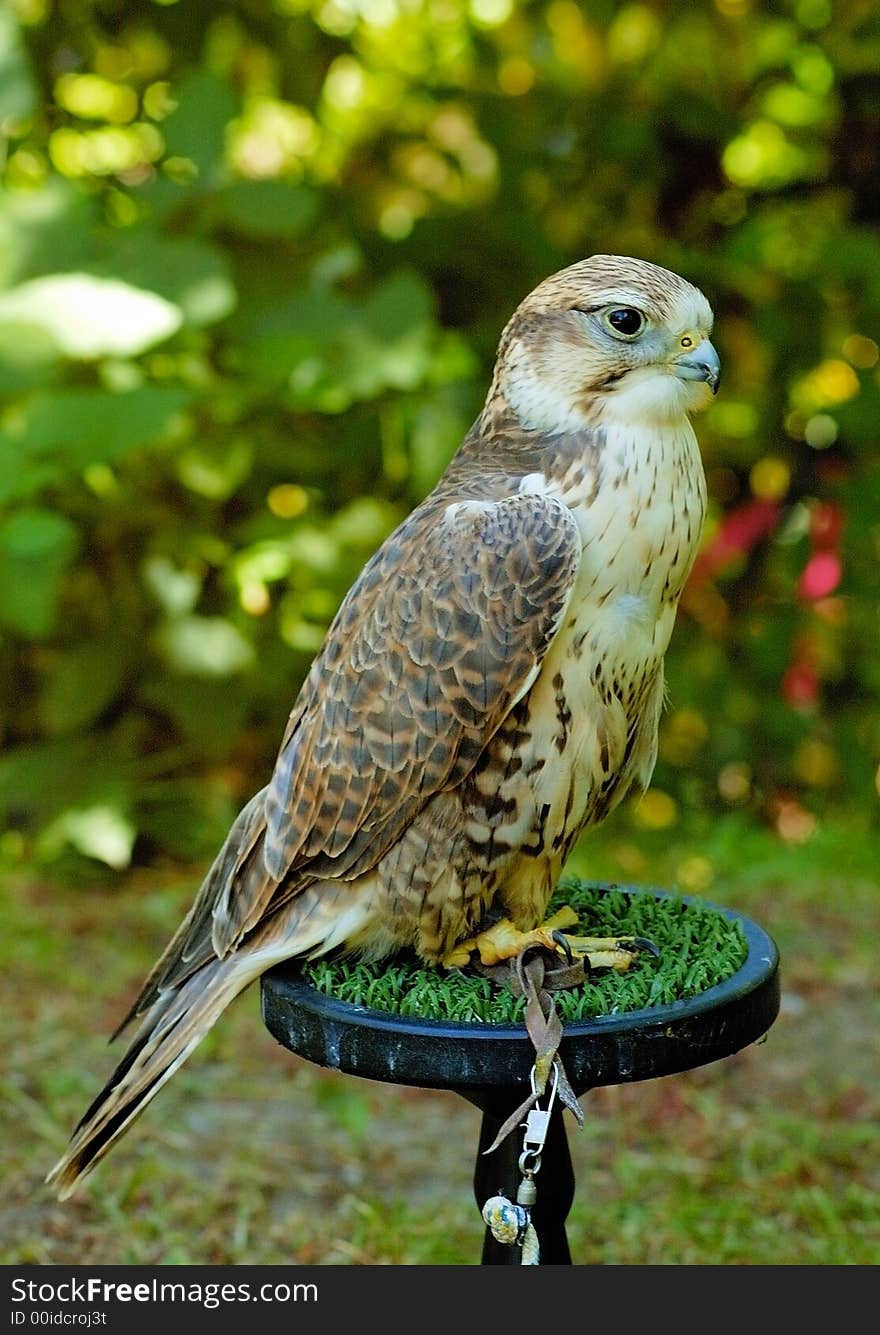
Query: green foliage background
{"type": "Point", "coordinates": [254, 261]}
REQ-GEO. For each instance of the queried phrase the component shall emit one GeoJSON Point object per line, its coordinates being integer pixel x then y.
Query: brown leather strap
{"type": "Point", "coordinates": [527, 976]}
{"type": "Point", "coordinates": [556, 979]}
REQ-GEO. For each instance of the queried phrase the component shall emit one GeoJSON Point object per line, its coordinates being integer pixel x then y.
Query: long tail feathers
{"type": "Point", "coordinates": [181, 1009]}
{"type": "Point", "coordinates": [170, 1030]}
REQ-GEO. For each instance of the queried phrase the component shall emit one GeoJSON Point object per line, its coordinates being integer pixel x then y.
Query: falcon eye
{"type": "Point", "coordinates": [625, 321]}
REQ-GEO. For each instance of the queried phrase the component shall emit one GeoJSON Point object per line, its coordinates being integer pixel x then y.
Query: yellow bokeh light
{"type": "Point", "coordinates": [399, 212]}
{"type": "Point", "coordinates": [684, 735]}
{"type": "Point", "coordinates": [379, 13]}
{"type": "Point", "coordinates": [733, 8]}
{"type": "Point", "coordinates": [272, 138]}
{"type": "Point", "coordinates": [143, 54]}
{"type": "Point", "coordinates": [769, 478]}
{"type": "Point", "coordinates": [635, 31]}
{"type": "Point", "coordinates": [793, 106]}
{"type": "Point", "coordinates": [346, 83]}
{"type": "Point", "coordinates": [816, 763]}
{"type": "Point", "coordinates": [25, 168]}
{"type": "Point", "coordinates": [159, 100]}
{"type": "Point", "coordinates": [479, 162]}
{"type": "Point", "coordinates": [836, 381]}
{"type": "Point", "coordinates": [491, 13]}
{"type": "Point", "coordinates": [515, 76]}
{"type": "Point", "coordinates": [101, 479]}
{"type": "Point", "coordinates": [734, 418]}
{"type": "Point", "coordinates": [762, 156]}
{"type": "Point", "coordinates": [576, 45]}
{"type": "Point", "coordinates": [812, 68]}
{"type": "Point", "coordinates": [695, 874]}
{"type": "Point", "coordinates": [336, 19]}
{"type": "Point", "coordinates": [735, 781]}
{"type": "Point", "coordinates": [180, 170]}
{"type": "Point", "coordinates": [254, 598]}
{"type": "Point", "coordinates": [655, 810]}
{"type": "Point", "coordinates": [631, 859]}
{"type": "Point", "coordinates": [831, 382]}
{"type": "Point", "coordinates": [452, 128]}
{"type": "Point", "coordinates": [121, 209]}
{"type": "Point", "coordinates": [30, 11]}
{"type": "Point", "coordinates": [861, 351]}
{"type": "Point", "coordinates": [93, 98]}
{"type": "Point", "coordinates": [108, 151]}
{"type": "Point", "coordinates": [814, 13]}
{"type": "Point", "coordinates": [425, 167]}
{"type": "Point", "coordinates": [288, 500]}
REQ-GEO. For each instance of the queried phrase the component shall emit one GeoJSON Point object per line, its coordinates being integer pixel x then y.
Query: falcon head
{"type": "Point", "coordinates": [610, 339]}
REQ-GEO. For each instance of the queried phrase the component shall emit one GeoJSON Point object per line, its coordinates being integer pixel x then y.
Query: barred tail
{"type": "Point", "coordinates": [175, 1024]}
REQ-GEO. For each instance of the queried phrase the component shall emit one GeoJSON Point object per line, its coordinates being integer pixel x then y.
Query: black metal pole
{"type": "Point", "coordinates": [497, 1174]}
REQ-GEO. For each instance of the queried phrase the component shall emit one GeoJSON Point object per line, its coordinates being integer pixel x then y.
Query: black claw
{"type": "Point", "coordinates": [562, 941]}
{"type": "Point", "coordinates": [642, 943]}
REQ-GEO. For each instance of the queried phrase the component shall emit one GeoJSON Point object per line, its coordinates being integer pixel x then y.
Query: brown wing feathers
{"type": "Point", "coordinates": [466, 610]}
{"type": "Point", "coordinates": [432, 647]}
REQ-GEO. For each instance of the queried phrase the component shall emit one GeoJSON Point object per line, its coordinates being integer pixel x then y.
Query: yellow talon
{"type": "Point", "coordinates": [504, 941]}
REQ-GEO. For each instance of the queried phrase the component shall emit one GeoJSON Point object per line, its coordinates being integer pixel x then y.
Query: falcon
{"type": "Point", "coordinates": [491, 685]}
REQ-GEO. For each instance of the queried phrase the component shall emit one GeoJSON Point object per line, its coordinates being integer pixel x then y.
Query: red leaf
{"type": "Point", "coordinates": [826, 524]}
{"type": "Point", "coordinates": [821, 576]}
{"type": "Point", "coordinates": [800, 684]}
{"type": "Point", "coordinates": [740, 531]}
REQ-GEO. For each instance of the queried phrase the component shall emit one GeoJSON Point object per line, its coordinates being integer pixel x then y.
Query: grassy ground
{"type": "Point", "coordinates": [252, 1156]}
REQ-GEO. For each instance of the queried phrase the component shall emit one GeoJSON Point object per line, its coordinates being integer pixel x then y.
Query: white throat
{"type": "Point", "coordinates": [552, 399]}
{"type": "Point", "coordinates": [653, 397]}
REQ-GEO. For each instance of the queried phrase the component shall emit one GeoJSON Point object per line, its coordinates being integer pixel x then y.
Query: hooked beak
{"type": "Point", "coordinates": [700, 364]}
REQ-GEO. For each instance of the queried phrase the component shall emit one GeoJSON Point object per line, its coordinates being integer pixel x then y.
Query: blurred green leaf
{"type": "Point", "coordinates": [46, 777]}
{"type": "Point", "coordinates": [332, 350]}
{"type": "Point", "coordinates": [36, 547]}
{"type": "Point", "coordinates": [47, 229]}
{"type": "Point", "coordinates": [76, 428]}
{"type": "Point", "coordinates": [18, 92]}
{"type": "Point", "coordinates": [196, 128]}
{"type": "Point", "coordinates": [205, 646]}
{"type": "Point", "coordinates": [176, 590]}
{"type": "Point", "coordinates": [401, 303]}
{"type": "Point", "coordinates": [191, 274]}
{"type": "Point", "coordinates": [215, 470]}
{"type": "Point", "coordinates": [209, 712]}
{"type": "Point", "coordinates": [81, 683]}
{"type": "Point", "coordinates": [27, 353]}
{"type": "Point", "coordinates": [265, 209]}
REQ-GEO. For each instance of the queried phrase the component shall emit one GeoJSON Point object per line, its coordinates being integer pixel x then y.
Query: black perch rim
{"type": "Point", "coordinates": [476, 1058]}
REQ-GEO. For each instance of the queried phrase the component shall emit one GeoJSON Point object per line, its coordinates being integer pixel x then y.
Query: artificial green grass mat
{"type": "Point", "coordinates": [699, 947]}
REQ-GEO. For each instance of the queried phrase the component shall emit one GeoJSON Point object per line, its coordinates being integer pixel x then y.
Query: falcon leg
{"type": "Point", "coordinates": [605, 952]}
{"type": "Point", "coordinates": [503, 941]}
